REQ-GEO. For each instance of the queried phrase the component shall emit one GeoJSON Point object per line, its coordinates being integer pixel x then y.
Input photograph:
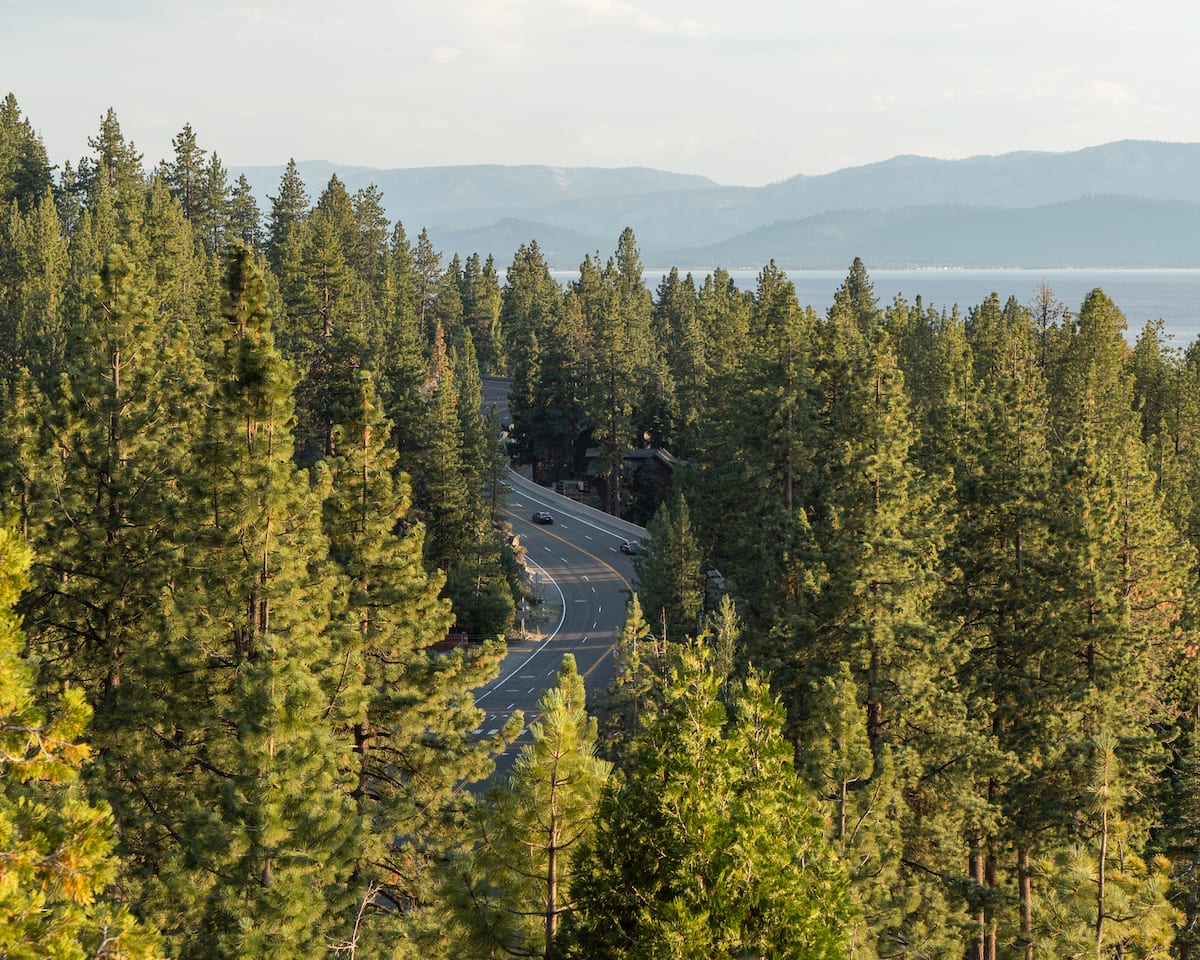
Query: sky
{"type": "Point", "coordinates": [745, 92]}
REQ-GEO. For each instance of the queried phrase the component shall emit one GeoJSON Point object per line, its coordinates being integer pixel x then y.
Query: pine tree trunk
{"type": "Point", "coordinates": [1025, 894]}
{"type": "Point", "coordinates": [1100, 882]}
{"type": "Point", "coordinates": [842, 798]}
{"type": "Point", "coordinates": [551, 896]}
{"type": "Point", "coordinates": [976, 870]}
{"type": "Point", "coordinates": [989, 951]}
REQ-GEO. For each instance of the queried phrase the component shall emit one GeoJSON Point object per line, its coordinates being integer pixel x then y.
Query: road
{"type": "Point", "coordinates": [583, 581]}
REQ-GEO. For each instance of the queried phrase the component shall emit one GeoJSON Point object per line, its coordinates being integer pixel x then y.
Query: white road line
{"type": "Point", "coordinates": [492, 733]}
{"type": "Point", "coordinates": [565, 561]}
{"type": "Point", "coordinates": [593, 626]}
{"type": "Point", "coordinates": [531, 689]}
{"type": "Point", "coordinates": [575, 519]}
{"type": "Point", "coordinates": [586, 537]}
{"type": "Point", "coordinates": [540, 647]}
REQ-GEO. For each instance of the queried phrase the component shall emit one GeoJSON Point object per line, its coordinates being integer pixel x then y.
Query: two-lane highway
{"type": "Point", "coordinates": [583, 581]}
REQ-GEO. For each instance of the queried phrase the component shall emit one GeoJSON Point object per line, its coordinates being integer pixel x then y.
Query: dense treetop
{"type": "Point", "coordinates": [910, 670]}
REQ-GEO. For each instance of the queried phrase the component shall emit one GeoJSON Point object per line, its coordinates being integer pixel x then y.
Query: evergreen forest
{"type": "Point", "coordinates": [910, 670]}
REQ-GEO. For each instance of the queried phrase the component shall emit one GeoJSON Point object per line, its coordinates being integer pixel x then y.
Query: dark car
{"type": "Point", "coordinates": [630, 547]}
{"type": "Point", "coordinates": [543, 517]}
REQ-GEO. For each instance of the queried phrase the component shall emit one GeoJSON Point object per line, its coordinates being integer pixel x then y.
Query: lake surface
{"type": "Point", "coordinates": [1172, 296]}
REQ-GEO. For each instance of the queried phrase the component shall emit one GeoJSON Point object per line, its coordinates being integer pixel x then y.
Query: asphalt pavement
{"type": "Point", "coordinates": [583, 583]}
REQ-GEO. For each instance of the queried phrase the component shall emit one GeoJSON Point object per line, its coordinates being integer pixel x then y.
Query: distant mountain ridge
{"type": "Point", "coordinates": [1130, 203]}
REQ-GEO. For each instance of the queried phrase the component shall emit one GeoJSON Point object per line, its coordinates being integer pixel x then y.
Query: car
{"type": "Point", "coordinates": [543, 517]}
{"type": "Point", "coordinates": [630, 547]}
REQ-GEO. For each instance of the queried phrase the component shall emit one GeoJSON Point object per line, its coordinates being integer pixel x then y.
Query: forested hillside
{"type": "Point", "coordinates": [940, 701]}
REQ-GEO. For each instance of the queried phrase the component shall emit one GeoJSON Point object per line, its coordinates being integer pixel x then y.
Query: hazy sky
{"type": "Point", "coordinates": [743, 92]}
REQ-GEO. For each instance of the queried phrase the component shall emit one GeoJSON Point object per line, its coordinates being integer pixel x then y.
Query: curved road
{"type": "Point", "coordinates": [583, 581]}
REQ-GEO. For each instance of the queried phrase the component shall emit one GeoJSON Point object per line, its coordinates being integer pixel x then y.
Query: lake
{"type": "Point", "coordinates": [1172, 296]}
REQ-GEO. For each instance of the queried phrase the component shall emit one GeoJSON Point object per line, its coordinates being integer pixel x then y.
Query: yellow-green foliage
{"type": "Point", "coordinates": [55, 847]}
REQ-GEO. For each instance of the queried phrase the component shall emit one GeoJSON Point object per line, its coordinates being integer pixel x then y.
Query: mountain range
{"type": "Point", "coordinates": [1131, 203]}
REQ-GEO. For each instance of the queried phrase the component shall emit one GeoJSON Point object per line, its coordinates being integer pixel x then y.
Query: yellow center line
{"type": "Point", "coordinates": [604, 563]}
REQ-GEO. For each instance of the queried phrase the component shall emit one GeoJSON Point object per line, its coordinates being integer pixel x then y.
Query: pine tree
{"type": "Point", "coordinates": [1122, 595]}
{"type": "Point", "coordinates": [404, 368]}
{"type": "Point", "coordinates": [670, 580]}
{"type": "Point", "coordinates": [865, 810]}
{"type": "Point", "coordinates": [26, 175]}
{"type": "Point", "coordinates": [649, 387]}
{"type": "Point", "coordinates": [245, 221]}
{"type": "Point", "coordinates": [1100, 898]}
{"type": "Point", "coordinates": [1181, 843]}
{"type": "Point", "coordinates": [404, 708]}
{"type": "Point", "coordinates": [57, 868]}
{"type": "Point", "coordinates": [710, 847]}
{"type": "Point", "coordinates": [511, 887]}
{"type": "Point", "coordinates": [639, 666]}
{"type": "Point", "coordinates": [115, 164]}
{"type": "Point", "coordinates": [759, 466]}
{"type": "Point", "coordinates": [22, 446]}
{"type": "Point", "coordinates": [609, 383]}
{"type": "Point", "coordinates": [184, 174]}
{"type": "Point", "coordinates": [530, 317]}
{"type": "Point", "coordinates": [441, 487]}
{"type": "Point", "coordinates": [33, 276]}
{"type": "Point", "coordinates": [427, 275]}
{"type": "Point", "coordinates": [1008, 566]}
{"type": "Point", "coordinates": [482, 298]}
{"type": "Point", "coordinates": [321, 335]}
{"type": "Point", "coordinates": [102, 500]}
{"type": "Point", "coordinates": [879, 532]}
{"type": "Point", "coordinates": [679, 329]}
{"type": "Point", "coordinates": [264, 826]}
{"type": "Point", "coordinates": [288, 209]}
{"type": "Point", "coordinates": [212, 208]}
{"type": "Point", "coordinates": [724, 316]}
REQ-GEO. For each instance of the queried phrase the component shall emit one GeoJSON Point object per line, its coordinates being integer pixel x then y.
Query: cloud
{"type": "Point", "coordinates": [620, 11]}
{"type": "Point", "coordinates": [1112, 93]}
{"type": "Point", "coordinates": [445, 54]}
